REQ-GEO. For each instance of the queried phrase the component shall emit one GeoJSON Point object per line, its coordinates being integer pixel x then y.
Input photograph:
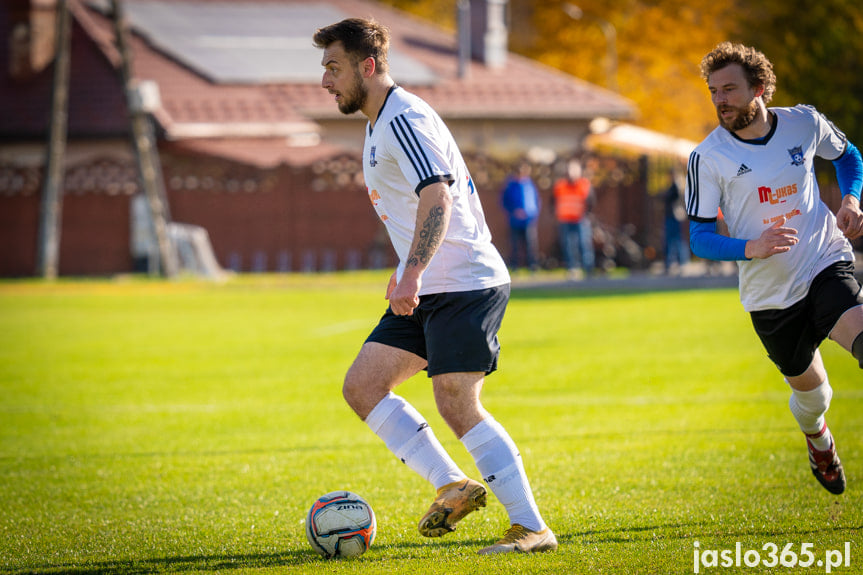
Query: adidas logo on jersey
{"type": "Point", "coordinates": [744, 169]}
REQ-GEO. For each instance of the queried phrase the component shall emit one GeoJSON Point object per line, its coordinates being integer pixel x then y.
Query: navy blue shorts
{"type": "Point", "coordinates": [454, 332]}
{"type": "Point", "coordinates": [792, 335]}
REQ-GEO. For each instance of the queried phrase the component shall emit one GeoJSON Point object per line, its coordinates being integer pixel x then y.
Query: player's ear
{"type": "Point", "coordinates": [368, 67]}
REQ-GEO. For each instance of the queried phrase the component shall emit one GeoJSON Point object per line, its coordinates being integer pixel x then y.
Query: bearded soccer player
{"type": "Point", "coordinates": [795, 261]}
{"type": "Point", "coordinates": [447, 297]}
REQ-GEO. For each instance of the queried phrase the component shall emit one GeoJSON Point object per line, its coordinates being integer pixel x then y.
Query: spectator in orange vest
{"type": "Point", "coordinates": [573, 201]}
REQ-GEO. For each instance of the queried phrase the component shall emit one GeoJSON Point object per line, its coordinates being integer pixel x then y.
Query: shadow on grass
{"type": "Point", "coordinates": [693, 530]}
{"type": "Point", "coordinates": [629, 534]}
{"type": "Point", "coordinates": [411, 550]}
{"type": "Point", "coordinates": [604, 287]}
{"type": "Point", "coordinates": [223, 563]}
{"type": "Point", "coordinates": [193, 563]}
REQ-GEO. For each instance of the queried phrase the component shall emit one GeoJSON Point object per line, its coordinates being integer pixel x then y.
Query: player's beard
{"type": "Point", "coordinates": [745, 116]}
{"type": "Point", "coordinates": [354, 100]}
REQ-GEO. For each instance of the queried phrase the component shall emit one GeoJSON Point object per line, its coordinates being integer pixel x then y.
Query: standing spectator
{"type": "Point", "coordinates": [521, 202]}
{"type": "Point", "coordinates": [676, 252]}
{"type": "Point", "coordinates": [573, 201]}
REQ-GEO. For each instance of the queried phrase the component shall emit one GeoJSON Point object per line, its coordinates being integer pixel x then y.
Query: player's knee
{"type": "Point", "coordinates": [353, 390]}
{"type": "Point", "coordinates": [362, 391]}
{"type": "Point", "coordinates": [814, 402]}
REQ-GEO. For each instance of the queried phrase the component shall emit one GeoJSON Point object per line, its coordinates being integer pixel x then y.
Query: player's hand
{"type": "Point", "coordinates": [849, 218]}
{"type": "Point", "coordinates": [404, 296]}
{"type": "Point", "coordinates": [774, 240]}
{"type": "Point", "coordinates": [391, 285]}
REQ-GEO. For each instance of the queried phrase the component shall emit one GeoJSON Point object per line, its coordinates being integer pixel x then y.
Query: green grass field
{"type": "Point", "coordinates": [148, 426]}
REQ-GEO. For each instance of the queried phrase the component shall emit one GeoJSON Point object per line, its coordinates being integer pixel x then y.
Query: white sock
{"type": "Point", "coordinates": [498, 460]}
{"type": "Point", "coordinates": [411, 439]}
{"type": "Point", "coordinates": [808, 408]}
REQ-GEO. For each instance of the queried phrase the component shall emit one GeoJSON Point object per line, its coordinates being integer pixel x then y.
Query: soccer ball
{"type": "Point", "coordinates": [340, 524]}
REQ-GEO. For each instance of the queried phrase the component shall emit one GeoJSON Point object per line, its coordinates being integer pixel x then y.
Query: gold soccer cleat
{"type": "Point", "coordinates": [520, 540]}
{"type": "Point", "coordinates": [452, 503]}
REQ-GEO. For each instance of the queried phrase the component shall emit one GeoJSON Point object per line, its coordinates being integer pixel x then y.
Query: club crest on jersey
{"type": "Point", "coordinates": [372, 161]}
{"type": "Point", "coordinates": [796, 156]}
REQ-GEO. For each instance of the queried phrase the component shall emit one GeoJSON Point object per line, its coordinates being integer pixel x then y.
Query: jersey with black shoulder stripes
{"type": "Point", "coordinates": [408, 148]}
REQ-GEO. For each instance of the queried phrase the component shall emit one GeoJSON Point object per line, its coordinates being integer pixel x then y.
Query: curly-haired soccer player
{"type": "Point", "coordinates": [795, 260]}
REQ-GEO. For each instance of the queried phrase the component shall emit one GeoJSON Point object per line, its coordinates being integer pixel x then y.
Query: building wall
{"type": "Point", "coordinates": [96, 104]}
{"type": "Point", "coordinates": [95, 237]}
{"type": "Point", "coordinates": [19, 224]}
{"type": "Point", "coordinates": [282, 219]}
{"type": "Point", "coordinates": [313, 218]}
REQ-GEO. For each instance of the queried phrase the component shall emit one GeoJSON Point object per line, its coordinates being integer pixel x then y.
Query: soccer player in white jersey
{"type": "Point", "coordinates": [795, 261]}
{"type": "Point", "coordinates": [446, 298]}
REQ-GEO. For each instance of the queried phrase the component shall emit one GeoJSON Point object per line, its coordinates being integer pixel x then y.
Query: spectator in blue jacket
{"type": "Point", "coordinates": [521, 201]}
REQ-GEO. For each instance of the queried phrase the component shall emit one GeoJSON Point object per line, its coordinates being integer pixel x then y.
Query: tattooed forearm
{"type": "Point", "coordinates": [430, 237]}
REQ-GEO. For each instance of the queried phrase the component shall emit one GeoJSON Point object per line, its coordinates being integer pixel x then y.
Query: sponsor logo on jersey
{"type": "Point", "coordinates": [796, 156]}
{"type": "Point", "coordinates": [774, 219]}
{"type": "Point", "coordinates": [743, 169]}
{"type": "Point", "coordinates": [375, 198]}
{"type": "Point", "coordinates": [372, 161]}
{"type": "Point", "coordinates": [767, 195]}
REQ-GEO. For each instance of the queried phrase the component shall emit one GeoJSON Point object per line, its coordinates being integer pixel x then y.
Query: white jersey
{"type": "Point", "coordinates": [755, 183]}
{"type": "Point", "coordinates": [409, 148]}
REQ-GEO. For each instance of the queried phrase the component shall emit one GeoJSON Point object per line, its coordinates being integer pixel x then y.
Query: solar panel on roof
{"type": "Point", "coordinates": [248, 43]}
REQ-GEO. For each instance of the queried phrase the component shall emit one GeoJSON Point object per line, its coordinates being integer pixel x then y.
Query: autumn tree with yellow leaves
{"type": "Point", "coordinates": [816, 48]}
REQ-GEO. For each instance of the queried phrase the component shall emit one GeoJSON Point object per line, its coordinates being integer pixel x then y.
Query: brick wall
{"type": "Point", "coordinates": [311, 218]}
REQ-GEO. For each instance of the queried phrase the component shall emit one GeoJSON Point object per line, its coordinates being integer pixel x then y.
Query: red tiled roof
{"type": "Point", "coordinates": [263, 152]}
{"type": "Point", "coordinates": [188, 99]}
{"type": "Point", "coordinates": [273, 123]}
{"type": "Point", "coordinates": [522, 89]}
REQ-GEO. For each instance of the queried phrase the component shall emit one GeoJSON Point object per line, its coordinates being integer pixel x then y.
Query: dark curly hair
{"type": "Point", "coordinates": [756, 66]}
{"type": "Point", "coordinates": [361, 39]}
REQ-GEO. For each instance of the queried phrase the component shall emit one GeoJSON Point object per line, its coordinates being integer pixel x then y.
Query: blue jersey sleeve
{"type": "Point", "coordinates": [707, 244]}
{"type": "Point", "coordinates": [849, 171]}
